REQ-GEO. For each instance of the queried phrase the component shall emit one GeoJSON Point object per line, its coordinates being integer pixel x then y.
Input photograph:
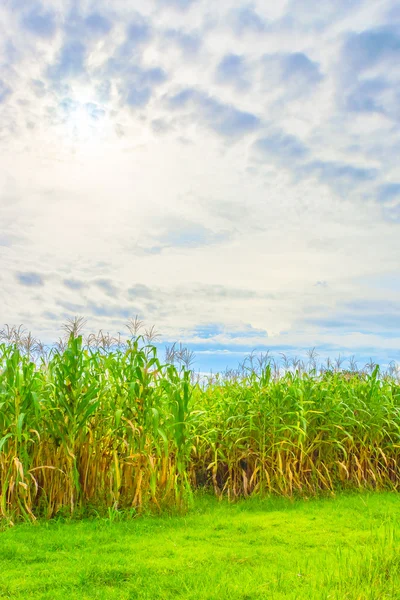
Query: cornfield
{"type": "Point", "coordinates": [96, 426]}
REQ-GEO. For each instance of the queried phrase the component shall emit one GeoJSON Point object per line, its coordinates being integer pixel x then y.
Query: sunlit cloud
{"type": "Point", "coordinates": [226, 171]}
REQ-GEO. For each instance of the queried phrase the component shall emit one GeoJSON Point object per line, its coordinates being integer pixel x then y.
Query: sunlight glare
{"type": "Point", "coordinates": [85, 128]}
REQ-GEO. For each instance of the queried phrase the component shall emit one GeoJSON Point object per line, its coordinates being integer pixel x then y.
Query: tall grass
{"type": "Point", "coordinates": [102, 424]}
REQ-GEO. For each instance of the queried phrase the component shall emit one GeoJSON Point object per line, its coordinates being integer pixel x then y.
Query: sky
{"type": "Point", "coordinates": [228, 171]}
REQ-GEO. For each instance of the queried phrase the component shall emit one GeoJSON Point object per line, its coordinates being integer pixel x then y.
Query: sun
{"type": "Point", "coordinates": [85, 126]}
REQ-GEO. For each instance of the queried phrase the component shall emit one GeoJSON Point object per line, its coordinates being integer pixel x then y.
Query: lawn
{"type": "Point", "coordinates": [338, 548]}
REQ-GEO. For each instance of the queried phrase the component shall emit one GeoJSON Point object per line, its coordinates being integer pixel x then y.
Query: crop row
{"type": "Point", "coordinates": [90, 429]}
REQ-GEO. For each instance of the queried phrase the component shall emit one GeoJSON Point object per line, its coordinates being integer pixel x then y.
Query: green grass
{"type": "Point", "coordinates": [337, 548]}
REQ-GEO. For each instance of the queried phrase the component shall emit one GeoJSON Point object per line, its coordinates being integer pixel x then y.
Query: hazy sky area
{"type": "Point", "coordinates": [229, 171]}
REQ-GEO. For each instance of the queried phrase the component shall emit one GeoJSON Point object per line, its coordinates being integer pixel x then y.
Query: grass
{"type": "Point", "coordinates": [333, 548]}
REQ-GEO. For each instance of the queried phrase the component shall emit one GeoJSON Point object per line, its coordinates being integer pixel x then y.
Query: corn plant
{"type": "Point", "coordinates": [103, 424]}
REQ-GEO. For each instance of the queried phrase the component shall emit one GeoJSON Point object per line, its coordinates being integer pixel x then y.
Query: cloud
{"type": "Point", "coordinates": [181, 99]}
{"type": "Point", "coordinates": [71, 307]}
{"type": "Point", "coordinates": [189, 42]}
{"type": "Point", "coordinates": [367, 81]}
{"type": "Point", "coordinates": [98, 24]}
{"type": "Point", "coordinates": [106, 286]}
{"type": "Point", "coordinates": [103, 91]}
{"type": "Point", "coordinates": [381, 318]}
{"type": "Point", "coordinates": [137, 97]}
{"type": "Point", "coordinates": [232, 70]}
{"type": "Point", "coordinates": [246, 20]}
{"type": "Point", "coordinates": [68, 106]}
{"type": "Point", "coordinates": [368, 96]}
{"type": "Point", "coordinates": [74, 284]}
{"type": "Point", "coordinates": [298, 66]}
{"type": "Point", "coordinates": [302, 14]}
{"type": "Point", "coordinates": [30, 279]}
{"type": "Point", "coordinates": [364, 50]}
{"type": "Point", "coordinates": [224, 119]}
{"type": "Point", "coordinates": [139, 30]}
{"type": "Point", "coordinates": [94, 111]}
{"type": "Point", "coordinates": [185, 234]}
{"type": "Point", "coordinates": [340, 177]}
{"type": "Point", "coordinates": [392, 213]}
{"type": "Point", "coordinates": [79, 25]}
{"type": "Point", "coordinates": [135, 83]}
{"type": "Point", "coordinates": [5, 91]}
{"type": "Point", "coordinates": [368, 306]}
{"type": "Point", "coordinates": [374, 95]}
{"type": "Point", "coordinates": [138, 85]}
{"type": "Point", "coordinates": [215, 331]}
{"type": "Point", "coordinates": [280, 147]}
{"type": "Point", "coordinates": [178, 4]}
{"type": "Point", "coordinates": [294, 73]}
{"type": "Point", "coordinates": [161, 126]}
{"type": "Point", "coordinates": [40, 22]}
{"type": "Point", "coordinates": [50, 316]}
{"type": "Point", "coordinates": [208, 331]}
{"type": "Point", "coordinates": [7, 240]}
{"type": "Point", "coordinates": [98, 310]}
{"type": "Point", "coordinates": [39, 88]}
{"type": "Point", "coordinates": [111, 311]}
{"type": "Point", "coordinates": [217, 293]}
{"type": "Point", "coordinates": [139, 33]}
{"type": "Point", "coordinates": [388, 192]}
{"type": "Point", "coordinates": [393, 13]}
{"type": "Point", "coordinates": [230, 157]}
{"type": "Point", "coordinates": [71, 61]}
{"type": "Point", "coordinates": [77, 114]}
{"type": "Point", "coordinates": [140, 291]}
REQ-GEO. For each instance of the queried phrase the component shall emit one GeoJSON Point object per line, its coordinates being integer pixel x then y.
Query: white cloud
{"type": "Point", "coordinates": [119, 193]}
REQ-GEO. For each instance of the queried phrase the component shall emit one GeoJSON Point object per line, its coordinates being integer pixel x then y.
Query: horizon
{"type": "Point", "coordinates": [281, 359]}
{"type": "Point", "coordinates": [226, 172]}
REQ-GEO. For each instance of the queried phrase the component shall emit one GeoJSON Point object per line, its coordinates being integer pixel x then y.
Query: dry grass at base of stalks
{"type": "Point", "coordinates": [101, 423]}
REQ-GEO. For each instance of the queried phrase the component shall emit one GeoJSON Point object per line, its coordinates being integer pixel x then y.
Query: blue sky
{"type": "Point", "coordinates": [227, 171]}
